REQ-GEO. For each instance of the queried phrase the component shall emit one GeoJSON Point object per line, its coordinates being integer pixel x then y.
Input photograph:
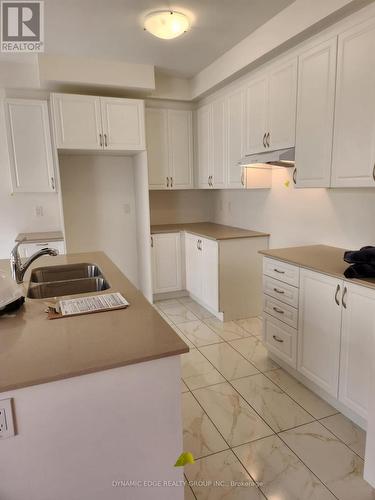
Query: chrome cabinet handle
{"type": "Point", "coordinates": [278, 271]}
{"type": "Point", "coordinates": [243, 178]}
{"type": "Point", "coordinates": [343, 297]}
{"type": "Point", "coordinates": [167, 182]}
{"type": "Point", "coordinates": [105, 140]}
{"type": "Point", "coordinates": [53, 183]}
{"type": "Point", "coordinates": [295, 176]}
{"type": "Point", "coordinates": [264, 140]}
{"type": "Point", "coordinates": [336, 295]}
{"type": "Point", "coordinates": [198, 244]}
{"type": "Point", "coordinates": [101, 140]}
{"type": "Point", "coordinates": [278, 291]}
{"type": "Point", "coordinates": [212, 181]}
{"type": "Point", "coordinates": [171, 182]}
{"type": "Point", "coordinates": [268, 137]}
{"type": "Point", "coordinates": [152, 242]}
{"type": "Point", "coordinates": [373, 172]}
{"type": "Point", "coordinates": [278, 339]}
{"type": "Point", "coordinates": [280, 311]}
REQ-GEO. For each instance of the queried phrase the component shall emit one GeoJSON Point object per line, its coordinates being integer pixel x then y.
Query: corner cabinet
{"type": "Point", "coordinates": [169, 139]}
{"type": "Point", "coordinates": [98, 123]}
{"type": "Point", "coordinates": [30, 146]}
{"type": "Point", "coordinates": [354, 132]}
{"type": "Point", "coordinates": [166, 262]}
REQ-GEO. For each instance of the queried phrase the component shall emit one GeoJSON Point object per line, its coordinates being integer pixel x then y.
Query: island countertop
{"type": "Point", "coordinates": [209, 230]}
{"type": "Point", "coordinates": [35, 350]}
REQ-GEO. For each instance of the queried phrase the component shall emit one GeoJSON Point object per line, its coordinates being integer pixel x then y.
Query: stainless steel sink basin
{"type": "Point", "coordinates": [69, 279]}
{"type": "Point", "coordinates": [69, 287]}
{"type": "Point", "coordinates": [65, 272]}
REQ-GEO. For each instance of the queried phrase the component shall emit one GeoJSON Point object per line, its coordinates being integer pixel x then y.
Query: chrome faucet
{"type": "Point", "coordinates": [19, 269]}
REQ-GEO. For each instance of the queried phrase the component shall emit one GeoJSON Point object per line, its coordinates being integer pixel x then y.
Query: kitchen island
{"type": "Point", "coordinates": [96, 398]}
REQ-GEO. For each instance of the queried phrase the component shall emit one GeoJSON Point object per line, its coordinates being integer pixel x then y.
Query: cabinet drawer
{"type": "Point", "coordinates": [281, 271]}
{"type": "Point", "coordinates": [283, 312]}
{"type": "Point", "coordinates": [281, 340]}
{"type": "Point", "coordinates": [281, 291]}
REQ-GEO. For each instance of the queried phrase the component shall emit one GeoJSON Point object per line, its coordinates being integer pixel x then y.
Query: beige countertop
{"type": "Point", "coordinates": [36, 237]}
{"type": "Point", "coordinates": [207, 230]}
{"type": "Point", "coordinates": [35, 350]}
{"type": "Point", "coordinates": [321, 258]}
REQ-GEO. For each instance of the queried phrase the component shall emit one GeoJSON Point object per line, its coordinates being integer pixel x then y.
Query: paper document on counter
{"type": "Point", "coordinates": [93, 303]}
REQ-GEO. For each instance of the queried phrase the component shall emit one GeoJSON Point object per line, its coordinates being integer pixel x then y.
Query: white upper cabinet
{"type": "Point", "coordinates": [256, 115]}
{"type": "Point", "coordinates": [315, 109]}
{"type": "Point", "coordinates": [319, 329]}
{"type": "Point", "coordinates": [282, 106]}
{"type": "Point", "coordinates": [123, 124]}
{"type": "Point", "coordinates": [218, 169]}
{"type": "Point", "coordinates": [354, 131]}
{"type": "Point", "coordinates": [77, 121]}
{"type": "Point", "coordinates": [204, 145]}
{"type": "Point", "coordinates": [169, 138]}
{"type": "Point", "coordinates": [180, 140]}
{"type": "Point", "coordinates": [157, 148]}
{"type": "Point", "coordinates": [271, 108]}
{"type": "Point", "coordinates": [98, 123]}
{"type": "Point", "coordinates": [357, 343]}
{"type": "Point", "coordinates": [235, 138]}
{"type": "Point", "coordinates": [30, 147]}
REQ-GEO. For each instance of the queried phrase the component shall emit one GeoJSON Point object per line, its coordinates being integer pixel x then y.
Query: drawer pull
{"type": "Point", "coordinates": [279, 291]}
{"type": "Point", "coordinates": [278, 271]}
{"type": "Point", "coordinates": [280, 311]}
{"type": "Point", "coordinates": [278, 339]}
{"type": "Point", "coordinates": [336, 295]}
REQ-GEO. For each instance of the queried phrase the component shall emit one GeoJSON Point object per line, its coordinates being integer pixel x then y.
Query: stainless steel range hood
{"type": "Point", "coordinates": [278, 158]}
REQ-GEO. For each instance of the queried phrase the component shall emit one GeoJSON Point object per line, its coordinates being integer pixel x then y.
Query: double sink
{"type": "Point", "coordinates": [70, 279]}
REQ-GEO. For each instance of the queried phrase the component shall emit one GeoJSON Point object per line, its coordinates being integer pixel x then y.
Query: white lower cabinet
{"type": "Point", "coordinates": [357, 339]}
{"type": "Point", "coordinates": [325, 330]}
{"type": "Point", "coordinates": [202, 270]}
{"type": "Point", "coordinates": [320, 329]}
{"type": "Point", "coordinates": [166, 262]}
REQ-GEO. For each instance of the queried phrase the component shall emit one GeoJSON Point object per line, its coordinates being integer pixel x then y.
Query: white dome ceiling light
{"type": "Point", "coordinates": [166, 24]}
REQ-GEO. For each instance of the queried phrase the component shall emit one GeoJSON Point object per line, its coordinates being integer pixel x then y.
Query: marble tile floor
{"type": "Point", "coordinates": [255, 431]}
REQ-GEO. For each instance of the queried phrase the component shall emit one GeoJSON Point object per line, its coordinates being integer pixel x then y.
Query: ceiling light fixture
{"type": "Point", "coordinates": [166, 24]}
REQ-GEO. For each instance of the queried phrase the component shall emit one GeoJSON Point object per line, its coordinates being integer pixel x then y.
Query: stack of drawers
{"type": "Point", "coordinates": [281, 294]}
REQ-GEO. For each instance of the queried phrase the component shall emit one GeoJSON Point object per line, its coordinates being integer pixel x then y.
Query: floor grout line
{"type": "Point", "coordinates": [274, 433]}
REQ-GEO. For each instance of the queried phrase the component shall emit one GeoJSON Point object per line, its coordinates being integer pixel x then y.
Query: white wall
{"type": "Point", "coordinates": [338, 217]}
{"type": "Point", "coordinates": [171, 207]}
{"type": "Point", "coordinates": [17, 212]}
{"type": "Point", "coordinates": [99, 207]}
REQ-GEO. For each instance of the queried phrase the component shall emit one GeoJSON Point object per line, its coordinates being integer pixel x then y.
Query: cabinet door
{"type": "Point", "coordinates": [319, 329]}
{"type": "Point", "coordinates": [31, 159]}
{"type": "Point", "coordinates": [354, 130]}
{"type": "Point", "coordinates": [218, 148]}
{"type": "Point", "coordinates": [210, 273]}
{"type": "Point", "coordinates": [157, 148]}
{"type": "Point", "coordinates": [235, 131]}
{"type": "Point", "coordinates": [357, 338]}
{"type": "Point", "coordinates": [166, 262]}
{"type": "Point", "coordinates": [204, 145]}
{"type": "Point", "coordinates": [123, 124]}
{"type": "Point", "coordinates": [180, 144]}
{"type": "Point", "coordinates": [256, 115]}
{"type": "Point", "coordinates": [315, 110]}
{"type": "Point", "coordinates": [193, 265]}
{"type": "Point", "coordinates": [282, 103]}
{"type": "Point", "coordinates": [77, 121]}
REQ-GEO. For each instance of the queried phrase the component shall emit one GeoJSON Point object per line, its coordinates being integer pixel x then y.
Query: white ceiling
{"type": "Point", "coordinates": [113, 29]}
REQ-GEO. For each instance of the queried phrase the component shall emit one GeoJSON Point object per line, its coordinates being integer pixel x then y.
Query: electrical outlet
{"type": "Point", "coordinates": [6, 419]}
